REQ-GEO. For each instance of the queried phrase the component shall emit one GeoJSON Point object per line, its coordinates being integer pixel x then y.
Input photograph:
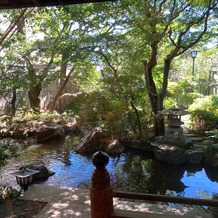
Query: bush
{"type": "Point", "coordinates": [3, 153]}
{"type": "Point", "coordinates": [8, 193]}
{"type": "Point", "coordinates": [202, 121]}
{"type": "Point", "coordinates": [204, 115]}
{"type": "Point", "coordinates": [7, 151]}
{"type": "Point", "coordinates": [206, 103]}
{"type": "Point", "coordinates": [213, 134]}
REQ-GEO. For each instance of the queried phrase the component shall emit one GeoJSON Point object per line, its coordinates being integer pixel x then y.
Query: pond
{"type": "Point", "coordinates": [132, 171]}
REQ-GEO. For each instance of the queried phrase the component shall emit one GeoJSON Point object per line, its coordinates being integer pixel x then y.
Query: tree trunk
{"type": "Point", "coordinates": [159, 120]}
{"type": "Point", "coordinates": [13, 102]}
{"type": "Point", "coordinates": [155, 102]}
{"type": "Point", "coordinates": [34, 99]}
{"type": "Point", "coordinates": [63, 70]}
{"type": "Point", "coordinates": [138, 119]}
{"type": "Point", "coordinates": [53, 104]}
{"type": "Point", "coordinates": [156, 99]}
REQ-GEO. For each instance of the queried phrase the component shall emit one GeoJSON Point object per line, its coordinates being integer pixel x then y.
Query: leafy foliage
{"type": "Point", "coordinates": [204, 115]}
{"type": "Point", "coordinates": [213, 134]}
{"type": "Point", "coordinates": [208, 103]}
{"type": "Point", "coordinates": [7, 151]}
{"type": "Point", "coordinates": [202, 120]}
{"type": "Point", "coordinates": [120, 55]}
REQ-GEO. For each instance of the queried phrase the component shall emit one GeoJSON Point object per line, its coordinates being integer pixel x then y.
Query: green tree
{"type": "Point", "coordinates": [12, 78]}
{"type": "Point", "coordinates": [168, 29]}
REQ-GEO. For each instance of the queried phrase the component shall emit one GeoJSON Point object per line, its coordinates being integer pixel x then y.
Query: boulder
{"type": "Point", "coordinates": [139, 144]}
{"type": "Point", "coordinates": [43, 173]}
{"type": "Point", "coordinates": [91, 142]}
{"type": "Point", "coordinates": [50, 133]}
{"type": "Point", "coordinates": [72, 129]}
{"type": "Point", "coordinates": [114, 148]}
{"type": "Point", "coordinates": [194, 157]}
{"type": "Point", "coordinates": [211, 172]}
{"type": "Point", "coordinates": [96, 140]}
{"type": "Point", "coordinates": [211, 155]}
{"type": "Point", "coordinates": [170, 154]}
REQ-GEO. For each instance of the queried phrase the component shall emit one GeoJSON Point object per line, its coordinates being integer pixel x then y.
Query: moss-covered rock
{"type": "Point", "coordinates": [211, 155]}
{"type": "Point", "coordinates": [170, 154]}
{"type": "Point", "coordinates": [194, 157]}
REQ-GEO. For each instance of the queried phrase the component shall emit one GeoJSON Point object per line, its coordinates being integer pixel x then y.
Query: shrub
{"type": "Point", "coordinates": [204, 115]}
{"type": "Point", "coordinates": [213, 134]}
{"type": "Point", "coordinates": [7, 151]}
{"type": "Point", "coordinates": [3, 153]}
{"type": "Point", "coordinates": [202, 120]}
{"type": "Point", "coordinates": [206, 103]}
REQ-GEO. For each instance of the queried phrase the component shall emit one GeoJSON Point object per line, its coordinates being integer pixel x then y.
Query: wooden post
{"type": "Point", "coordinates": [215, 209]}
{"type": "Point", "coordinates": [101, 193]}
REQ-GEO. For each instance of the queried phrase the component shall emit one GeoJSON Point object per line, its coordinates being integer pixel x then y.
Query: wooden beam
{"type": "Point", "coordinates": [61, 2]}
{"type": "Point", "coordinates": [13, 3]}
{"type": "Point", "coordinates": [166, 198]}
{"type": "Point", "coordinates": [36, 3]}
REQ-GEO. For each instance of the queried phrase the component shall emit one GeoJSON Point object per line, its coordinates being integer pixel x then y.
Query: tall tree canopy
{"type": "Point", "coordinates": [123, 51]}
{"type": "Point", "coordinates": [166, 30]}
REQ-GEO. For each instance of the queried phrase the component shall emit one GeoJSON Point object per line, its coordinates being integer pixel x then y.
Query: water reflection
{"type": "Point", "coordinates": [144, 174]}
{"type": "Point", "coordinates": [132, 171]}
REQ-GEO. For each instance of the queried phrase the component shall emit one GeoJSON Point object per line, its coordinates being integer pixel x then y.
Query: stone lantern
{"type": "Point", "coordinates": [173, 130]}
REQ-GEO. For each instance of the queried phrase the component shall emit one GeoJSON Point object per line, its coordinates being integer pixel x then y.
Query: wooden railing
{"type": "Point", "coordinates": [166, 198]}
{"type": "Point", "coordinates": [101, 193]}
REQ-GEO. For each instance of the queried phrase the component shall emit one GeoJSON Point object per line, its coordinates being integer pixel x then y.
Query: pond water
{"type": "Point", "coordinates": [132, 171]}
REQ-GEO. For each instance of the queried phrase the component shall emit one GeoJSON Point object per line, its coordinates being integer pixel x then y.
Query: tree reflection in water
{"type": "Point", "coordinates": [132, 171]}
{"type": "Point", "coordinates": [140, 172]}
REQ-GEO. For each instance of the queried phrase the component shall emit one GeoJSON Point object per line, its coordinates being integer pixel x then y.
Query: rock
{"type": "Point", "coordinates": [72, 129]}
{"type": "Point", "coordinates": [194, 157]}
{"type": "Point", "coordinates": [96, 140]}
{"type": "Point", "coordinates": [188, 144]}
{"type": "Point", "coordinates": [209, 141]}
{"type": "Point", "coordinates": [91, 142]}
{"type": "Point", "coordinates": [159, 139]}
{"type": "Point", "coordinates": [43, 173]}
{"type": "Point", "coordinates": [211, 172]}
{"type": "Point", "coordinates": [170, 154]}
{"type": "Point", "coordinates": [211, 155]}
{"type": "Point", "coordinates": [139, 144]}
{"type": "Point", "coordinates": [65, 99]}
{"type": "Point", "coordinates": [50, 133]}
{"type": "Point", "coordinates": [114, 148]}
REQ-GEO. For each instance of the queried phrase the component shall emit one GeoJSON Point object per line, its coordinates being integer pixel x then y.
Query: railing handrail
{"type": "Point", "coordinates": [165, 198]}
{"type": "Point", "coordinates": [102, 194]}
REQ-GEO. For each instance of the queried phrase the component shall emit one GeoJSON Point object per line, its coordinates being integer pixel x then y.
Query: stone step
{"type": "Point", "coordinates": [190, 135]}
{"type": "Point", "coordinates": [195, 139]}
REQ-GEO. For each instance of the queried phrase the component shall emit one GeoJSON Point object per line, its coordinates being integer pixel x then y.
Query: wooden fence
{"type": "Point", "coordinates": [101, 193]}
